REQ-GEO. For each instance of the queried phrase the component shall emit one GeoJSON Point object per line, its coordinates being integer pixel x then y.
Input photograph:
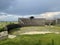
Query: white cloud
{"type": "Point", "coordinates": [8, 17]}
{"type": "Point", "coordinates": [47, 15]}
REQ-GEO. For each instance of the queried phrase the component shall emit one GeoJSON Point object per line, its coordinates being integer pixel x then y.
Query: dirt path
{"type": "Point", "coordinates": [31, 33]}
{"type": "Point", "coordinates": [37, 32]}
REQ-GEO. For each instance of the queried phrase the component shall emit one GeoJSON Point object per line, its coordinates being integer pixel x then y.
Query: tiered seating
{"type": "Point", "coordinates": [28, 22]}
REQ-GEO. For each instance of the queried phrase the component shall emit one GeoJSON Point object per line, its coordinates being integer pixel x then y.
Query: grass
{"type": "Point", "coordinates": [35, 28]}
{"type": "Point", "coordinates": [38, 28]}
{"type": "Point", "coordinates": [38, 39]}
{"type": "Point", "coordinates": [3, 24]}
{"type": "Point", "coordinates": [41, 28]}
{"type": "Point", "coordinates": [47, 39]}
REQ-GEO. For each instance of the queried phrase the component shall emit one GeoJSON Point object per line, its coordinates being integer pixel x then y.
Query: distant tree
{"type": "Point", "coordinates": [32, 17]}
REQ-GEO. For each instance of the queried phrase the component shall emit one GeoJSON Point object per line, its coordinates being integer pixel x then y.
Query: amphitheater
{"type": "Point", "coordinates": [36, 22]}
{"type": "Point", "coordinates": [30, 22]}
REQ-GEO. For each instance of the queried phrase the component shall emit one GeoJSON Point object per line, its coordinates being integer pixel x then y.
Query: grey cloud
{"type": "Point", "coordinates": [28, 7]}
{"type": "Point", "coordinates": [4, 4]}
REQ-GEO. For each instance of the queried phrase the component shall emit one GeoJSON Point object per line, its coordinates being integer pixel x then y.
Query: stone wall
{"type": "Point", "coordinates": [50, 22]}
{"type": "Point", "coordinates": [37, 22]}
{"type": "Point", "coordinates": [58, 21]}
{"type": "Point", "coordinates": [3, 35]}
{"type": "Point", "coordinates": [31, 22]}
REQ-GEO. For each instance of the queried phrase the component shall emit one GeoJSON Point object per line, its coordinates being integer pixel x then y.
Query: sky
{"type": "Point", "coordinates": [10, 10]}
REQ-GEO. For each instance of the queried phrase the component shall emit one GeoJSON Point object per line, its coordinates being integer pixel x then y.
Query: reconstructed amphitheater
{"type": "Point", "coordinates": [31, 22]}
{"type": "Point", "coordinates": [37, 21]}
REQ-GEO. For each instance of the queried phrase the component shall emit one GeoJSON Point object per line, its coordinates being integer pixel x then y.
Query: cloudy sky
{"type": "Point", "coordinates": [12, 9]}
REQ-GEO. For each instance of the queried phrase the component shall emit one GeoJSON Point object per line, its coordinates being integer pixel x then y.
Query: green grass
{"type": "Point", "coordinates": [47, 39]}
{"type": "Point", "coordinates": [36, 28]}
{"type": "Point", "coordinates": [41, 28]}
{"type": "Point", "coordinates": [3, 24]}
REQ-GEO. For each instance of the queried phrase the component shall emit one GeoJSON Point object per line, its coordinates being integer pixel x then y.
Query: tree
{"type": "Point", "coordinates": [32, 17]}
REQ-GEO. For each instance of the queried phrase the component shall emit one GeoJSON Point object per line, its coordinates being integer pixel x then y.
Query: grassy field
{"type": "Point", "coordinates": [3, 24]}
{"type": "Point", "coordinates": [41, 28]}
{"type": "Point", "coordinates": [36, 28]}
{"type": "Point", "coordinates": [37, 39]}
{"type": "Point", "coordinates": [46, 39]}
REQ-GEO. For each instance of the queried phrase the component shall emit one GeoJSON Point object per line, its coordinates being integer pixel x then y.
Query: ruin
{"type": "Point", "coordinates": [31, 22]}
{"type": "Point", "coordinates": [3, 35]}
{"type": "Point", "coordinates": [58, 21]}
{"type": "Point", "coordinates": [36, 21]}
